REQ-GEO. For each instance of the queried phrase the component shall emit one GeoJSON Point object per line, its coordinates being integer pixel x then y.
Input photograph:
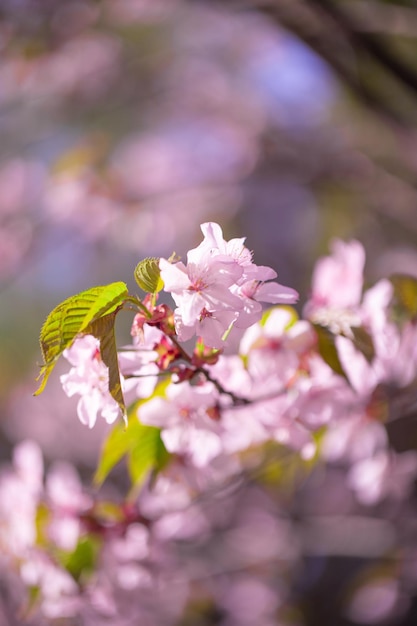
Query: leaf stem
{"type": "Point", "coordinates": [139, 304]}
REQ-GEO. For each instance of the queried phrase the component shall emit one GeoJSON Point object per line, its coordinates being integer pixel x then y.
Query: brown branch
{"type": "Point", "coordinates": [328, 39]}
{"type": "Point", "coordinates": [380, 51]}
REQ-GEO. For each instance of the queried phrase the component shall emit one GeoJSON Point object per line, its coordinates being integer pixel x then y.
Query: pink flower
{"type": "Point", "coordinates": [219, 287]}
{"type": "Point", "coordinates": [213, 244]}
{"type": "Point", "coordinates": [255, 291]}
{"type": "Point", "coordinates": [274, 348]}
{"type": "Point", "coordinates": [201, 291]}
{"type": "Point", "coordinates": [139, 364]}
{"type": "Point", "coordinates": [337, 287]}
{"type": "Point", "coordinates": [384, 474]}
{"type": "Point", "coordinates": [90, 378]}
{"type": "Point", "coordinates": [67, 501]}
{"type": "Point", "coordinates": [59, 593]}
{"type": "Point", "coordinates": [338, 278]}
{"type": "Point", "coordinates": [20, 492]}
{"type": "Point", "coordinates": [186, 425]}
{"type": "Point", "coordinates": [251, 286]}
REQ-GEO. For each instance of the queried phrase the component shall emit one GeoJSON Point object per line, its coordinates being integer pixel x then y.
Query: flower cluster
{"type": "Point", "coordinates": [283, 385]}
{"type": "Point", "coordinates": [219, 288]}
{"type": "Point", "coordinates": [296, 395]}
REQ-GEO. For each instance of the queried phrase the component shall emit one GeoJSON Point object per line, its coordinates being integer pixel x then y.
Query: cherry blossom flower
{"type": "Point", "coordinates": [337, 287]}
{"type": "Point", "coordinates": [138, 363]}
{"type": "Point", "coordinates": [90, 378]}
{"type": "Point", "coordinates": [337, 279]}
{"type": "Point", "coordinates": [251, 287]}
{"type": "Point", "coordinates": [66, 497]}
{"type": "Point", "coordinates": [219, 287]}
{"type": "Point", "coordinates": [382, 475]}
{"type": "Point", "coordinates": [205, 304]}
{"type": "Point", "coordinates": [186, 425]}
{"type": "Point", "coordinates": [20, 490]}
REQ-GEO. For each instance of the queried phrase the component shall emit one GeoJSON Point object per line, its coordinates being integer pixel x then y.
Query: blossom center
{"type": "Point", "coordinates": [197, 285]}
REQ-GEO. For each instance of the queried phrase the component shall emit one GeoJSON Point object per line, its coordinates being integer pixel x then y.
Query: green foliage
{"type": "Point", "coordinates": [293, 314]}
{"type": "Point", "coordinates": [141, 444]}
{"type": "Point", "coordinates": [74, 316]}
{"type": "Point", "coordinates": [327, 349]}
{"type": "Point", "coordinates": [148, 275]}
{"type": "Point", "coordinates": [41, 523]}
{"type": "Point", "coordinates": [148, 454]}
{"type": "Point", "coordinates": [282, 467]}
{"type": "Point", "coordinates": [81, 562]}
{"type": "Point", "coordinates": [363, 342]}
{"type": "Point", "coordinates": [405, 297]}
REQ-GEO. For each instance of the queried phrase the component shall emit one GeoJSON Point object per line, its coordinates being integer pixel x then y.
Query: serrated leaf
{"type": "Point", "coordinates": [71, 318]}
{"type": "Point", "coordinates": [327, 349]}
{"type": "Point", "coordinates": [148, 275]}
{"type": "Point", "coordinates": [405, 295]}
{"type": "Point", "coordinates": [103, 330]}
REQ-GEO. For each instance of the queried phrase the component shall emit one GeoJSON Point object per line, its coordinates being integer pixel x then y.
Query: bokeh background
{"type": "Point", "coordinates": [126, 123]}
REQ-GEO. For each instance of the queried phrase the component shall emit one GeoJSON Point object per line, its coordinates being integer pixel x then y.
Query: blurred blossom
{"type": "Point", "coordinates": [190, 149]}
{"type": "Point", "coordinates": [52, 420]}
{"type": "Point", "coordinates": [274, 68]}
{"type": "Point", "coordinates": [21, 186]}
{"type": "Point", "coordinates": [375, 602]}
{"type": "Point", "coordinates": [382, 475]}
{"type": "Point", "coordinates": [20, 489]}
{"type": "Point", "coordinates": [83, 66]}
{"type": "Point", "coordinates": [396, 261]}
{"type": "Point", "coordinates": [125, 12]}
{"type": "Point", "coordinates": [215, 92]}
{"type": "Point", "coordinates": [66, 497]}
{"type": "Point", "coordinates": [198, 152]}
{"type": "Point", "coordinates": [354, 438]}
{"type": "Point", "coordinates": [186, 426]}
{"type": "Point", "coordinates": [58, 587]}
{"type": "Point", "coordinates": [161, 224]}
{"type": "Point", "coordinates": [15, 241]}
{"type": "Point", "coordinates": [337, 287]}
{"type": "Point", "coordinates": [79, 200]}
{"type": "Point", "coordinates": [249, 601]}
{"type": "Point", "coordinates": [72, 18]}
{"type": "Point", "coordinates": [285, 74]}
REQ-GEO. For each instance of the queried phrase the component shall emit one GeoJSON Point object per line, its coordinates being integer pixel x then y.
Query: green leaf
{"type": "Point", "coordinates": [42, 520]}
{"type": "Point", "coordinates": [148, 453]}
{"type": "Point", "coordinates": [81, 562]}
{"type": "Point", "coordinates": [284, 307]}
{"type": "Point", "coordinates": [114, 448]}
{"type": "Point", "coordinates": [363, 341]}
{"type": "Point", "coordinates": [72, 317]}
{"type": "Point", "coordinates": [103, 329]}
{"type": "Point", "coordinates": [405, 296]}
{"type": "Point", "coordinates": [148, 275]}
{"type": "Point", "coordinates": [141, 444]}
{"type": "Point", "coordinates": [327, 349]}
